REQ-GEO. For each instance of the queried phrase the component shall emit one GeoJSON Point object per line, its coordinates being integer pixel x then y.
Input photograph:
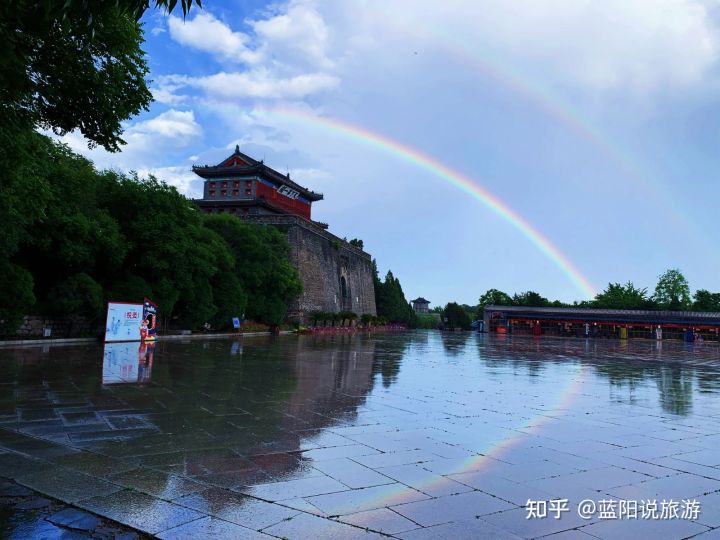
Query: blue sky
{"type": "Point", "coordinates": [597, 122]}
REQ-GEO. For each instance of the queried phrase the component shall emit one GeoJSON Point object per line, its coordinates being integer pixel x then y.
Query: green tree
{"type": "Point", "coordinates": [357, 243]}
{"type": "Point", "coordinates": [74, 64]}
{"type": "Point", "coordinates": [79, 294]}
{"type": "Point", "coordinates": [390, 300]}
{"type": "Point", "coordinates": [618, 296]}
{"type": "Point", "coordinates": [492, 297]}
{"type": "Point", "coordinates": [672, 291]}
{"type": "Point", "coordinates": [706, 301]}
{"type": "Point", "coordinates": [16, 295]}
{"type": "Point", "coordinates": [65, 65]}
{"type": "Point", "coordinates": [427, 321]}
{"type": "Point", "coordinates": [74, 233]}
{"type": "Point", "coordinates": [454, 316]}
{"type": "Point", "coordinates": [169, 248]}
{"type": "Point", "coordinates": [262, 266]}
{"type": "Point", "coordinates": [495, 297]}
{"type": "Point", "coordinates": [530, 299]}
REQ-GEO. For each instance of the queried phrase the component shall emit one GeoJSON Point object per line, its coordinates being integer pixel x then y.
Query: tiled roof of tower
{"type": "Point", "coordinates": [239, 163]}
{"type": "Point", "coordinates": [420, 300]}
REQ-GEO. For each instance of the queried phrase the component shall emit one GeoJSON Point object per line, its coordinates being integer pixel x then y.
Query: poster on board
{"type": "Point", "coordinates": [147, 328]}
{"type": "Point", "coordinates": [123, 321]}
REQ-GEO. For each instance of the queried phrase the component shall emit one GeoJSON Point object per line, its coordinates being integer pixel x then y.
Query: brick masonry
{"type": "Point", "coordinates": [34, 326]}
{"type": "Point", "coordinates": [325, 262]}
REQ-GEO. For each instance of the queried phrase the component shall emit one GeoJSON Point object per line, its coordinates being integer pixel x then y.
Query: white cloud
{"type": "Point", "coordinates": [639, 45]}
{"type": "Point", "coordinates": [261, 83]}
{"type": "Point", "coordinates": [166, 93]}
{"type": "Point", "coordinates": [207, 33]}
{"type": "Point", "coordinates": [187, 182]}
{"type": "Point", "coordinates": [147, 141]}
{"type": "Point", "coordinates": [171, 124]}
{"type": "Point", "coordinates": [286, 55]}
{"type": "Point", "coordinates": [297, 35]}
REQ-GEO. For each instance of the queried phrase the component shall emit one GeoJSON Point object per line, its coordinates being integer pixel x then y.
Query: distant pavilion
{"type": "Point", "coordinates": [420, 305]}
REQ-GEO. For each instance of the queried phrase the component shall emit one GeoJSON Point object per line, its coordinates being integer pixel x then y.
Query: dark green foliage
{"type": "Point", "coordinates": [102, 236]}
{"type": "Point", "coordinates": [74, 233]}
{"type": "Point", "coordinates": [59, 73]}
{"type": "Point", "coordinates": [65, 65]}
{"type": "Point", "coordinates": [617, 296]}
{"type": "Point", "coordinates": [357, 243]}
{"type": "Point", "coordinates": [672, 291]}
{"type": "Point", "coordinates": [706, 301]}
{"type": "Point", "coordinates": [169, 248]}
{"type": "Point", "coordinates": [390, 300]}
{"type": "Point", "coordinates": [71, 235]}
{"type": "Point", "coordinates": [529, 299]}
{"type": "Point", "coordinates": [454, 316]}
{"type": "Point", "coordinates": [428, 321]}
{"type": "Point", "coordinates": [262, 266]}
{"type": "Point", "coordinates": [16, 295]}
{"type": "Point", "coordinates": [80, 295]}
{"type": "Point", "coordinates": [346, 317]}
{"type": "Point", "coordinates": [492, 297]}
{"type": "Point", "coordinates": [74, 64]}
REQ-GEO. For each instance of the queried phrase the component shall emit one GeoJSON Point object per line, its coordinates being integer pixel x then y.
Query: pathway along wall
{"type": "Point", "coordinates": [335, 275]}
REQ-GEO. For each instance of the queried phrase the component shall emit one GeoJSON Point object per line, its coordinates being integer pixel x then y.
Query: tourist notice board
{"type": "Point", "coordinates": [123, 322]}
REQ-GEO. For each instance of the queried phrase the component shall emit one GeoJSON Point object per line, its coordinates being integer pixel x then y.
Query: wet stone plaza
{"type": "Point", "coordinates": [408, 435]}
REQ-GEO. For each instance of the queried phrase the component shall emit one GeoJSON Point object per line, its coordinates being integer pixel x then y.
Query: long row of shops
{"type": "Point", "coordinates": [602, 323]}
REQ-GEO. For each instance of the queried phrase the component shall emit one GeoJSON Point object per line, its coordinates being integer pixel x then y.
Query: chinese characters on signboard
{"type": "Point", "coordinates": [130, 322]}
{"type": "Point", "coordinates": [288, 192]}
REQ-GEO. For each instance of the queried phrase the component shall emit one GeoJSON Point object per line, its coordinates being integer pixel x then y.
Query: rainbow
{"type": "Point", "coordinates": [399, 494]}
{"type": "Point", "coordinates": [457, 179]}
{"type": "Point", "coordinates": [554, 107]}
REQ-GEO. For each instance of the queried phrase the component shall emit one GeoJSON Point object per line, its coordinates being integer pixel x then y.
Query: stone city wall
{"type": "Point", "coordinates": [336, 276]}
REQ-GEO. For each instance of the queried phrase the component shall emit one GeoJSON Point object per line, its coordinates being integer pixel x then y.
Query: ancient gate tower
{"type": "Point", "coordinates": [336, 276]}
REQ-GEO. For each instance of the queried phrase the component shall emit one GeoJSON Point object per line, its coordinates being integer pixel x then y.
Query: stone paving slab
{"type": "Point", "coordinates": [351, 473]}
{"type": "Point", "coordinates": [66, 485]}
{"type": "Point", "coordinates": [140, 511]}
{"type": "Point", "coordinates": [357, 500]}
{"type": "Point", "coordinates": [211, 528]}
{"type": "Point", "coordinates": [305, 438]}
{"type": "Point", "coordinates": [291, 489]}
{"type": "Point", "coordinates": [381, 520]}
{"type": "Point", "coordinates": [25, 514]}
{"type": "Point", "coordinates": [240, 509]}
{"type": "Point", "coordinates": [675, 529]}
{"type": "Point", "coordinates": [158, 484]}
{"type": "Point", "coordinates": [460, 530]}
{"type": "Point", "coordinates": [306, 526]}
{"type": "Point", "coordinates": [452, 508]}
{"type": "Point", "coordinates": [427, 482]}
{"type": "Point", "coordinates": [516, 522]}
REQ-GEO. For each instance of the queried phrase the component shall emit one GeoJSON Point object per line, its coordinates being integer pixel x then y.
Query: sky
{"type": "Point", "coordinates": [552, 146]}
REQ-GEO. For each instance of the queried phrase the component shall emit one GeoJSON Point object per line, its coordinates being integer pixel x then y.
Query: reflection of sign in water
{"type": "Point", "coordinates": [123, 321]}
{"type": "Point", "coordinates": [127, 363]}
{"type": "Point", "coordinates": [288, 192]}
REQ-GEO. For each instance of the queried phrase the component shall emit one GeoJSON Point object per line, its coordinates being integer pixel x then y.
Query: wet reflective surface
{"type": "Point", "coordinates": [416, 435]}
